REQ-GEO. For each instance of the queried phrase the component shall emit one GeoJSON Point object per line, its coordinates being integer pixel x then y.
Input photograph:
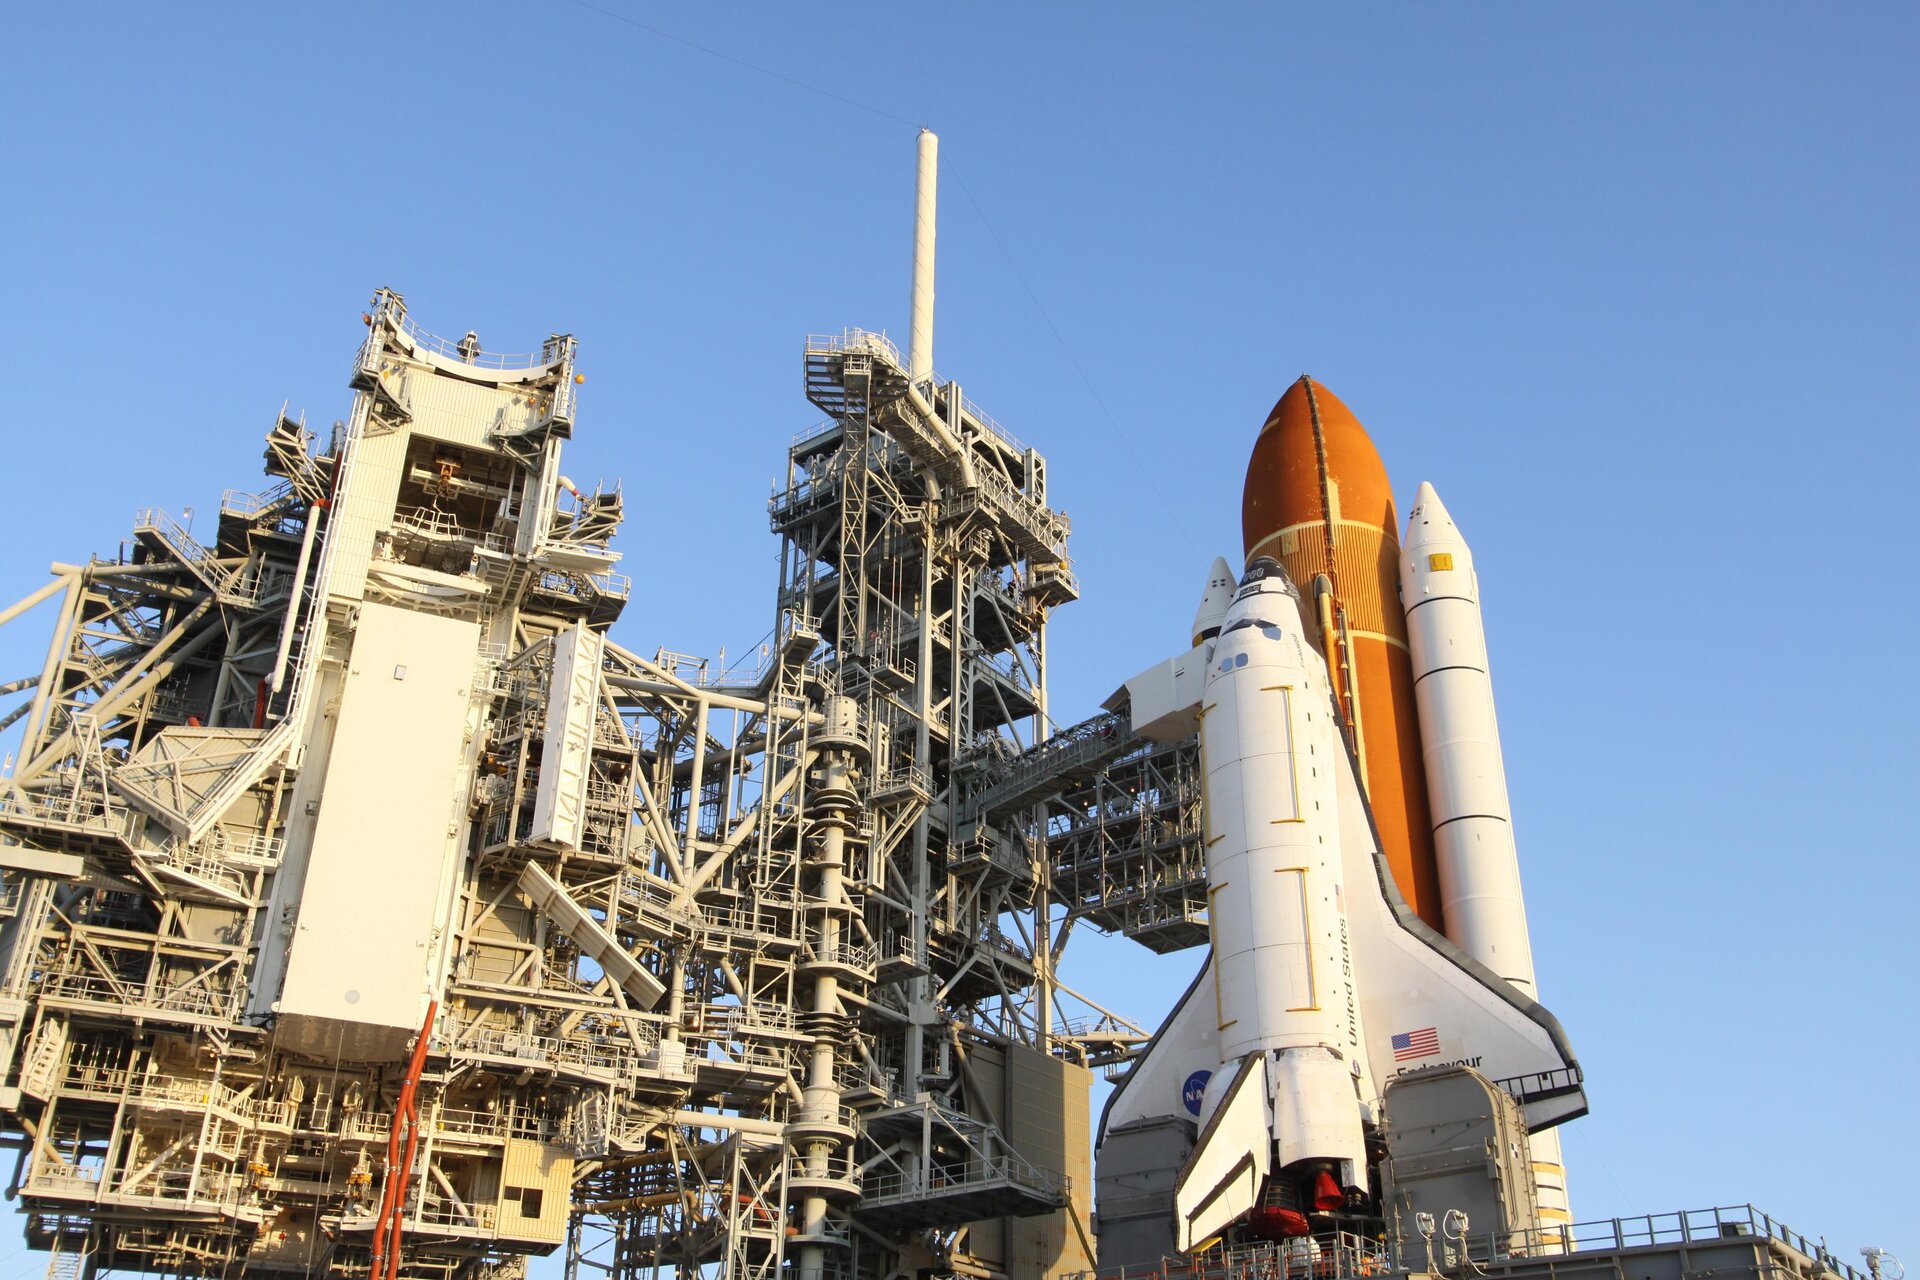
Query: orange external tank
{"type": "Point", "coordinates": [1318, 502]}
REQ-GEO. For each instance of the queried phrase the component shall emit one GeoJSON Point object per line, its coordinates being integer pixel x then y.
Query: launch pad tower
{"type": "Point", "coordinates": [370, 911]}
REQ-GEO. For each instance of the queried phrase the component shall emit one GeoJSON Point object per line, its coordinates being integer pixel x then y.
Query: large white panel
{"type": "Point", "coordinates": [374, 895]}
{"type": "Point", "coordinates": [559, 805]}
{"type": "Point", "coordinates": [460, 412]}
{"type": "Point", "coordinates": [361, 510]}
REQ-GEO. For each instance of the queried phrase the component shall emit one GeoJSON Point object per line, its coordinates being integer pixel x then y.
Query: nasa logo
{"type": "Point", "coordinates": [1195, 1089]}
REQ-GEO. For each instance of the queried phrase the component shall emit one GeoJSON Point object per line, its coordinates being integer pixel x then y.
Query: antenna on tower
{"type": "Point", "coordinates": [1882, 1265]}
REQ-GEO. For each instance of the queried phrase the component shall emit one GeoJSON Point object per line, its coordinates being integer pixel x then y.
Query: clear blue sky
{"type": "Point", "coordinates": [1635, 287]}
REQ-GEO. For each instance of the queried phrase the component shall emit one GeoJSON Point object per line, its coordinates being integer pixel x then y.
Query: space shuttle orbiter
{"type": "Point", "coordinates": [1323, 981]}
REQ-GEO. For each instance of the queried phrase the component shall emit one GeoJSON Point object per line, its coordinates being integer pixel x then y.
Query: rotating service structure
{"type": "Point", "coordinates": [371, 911]}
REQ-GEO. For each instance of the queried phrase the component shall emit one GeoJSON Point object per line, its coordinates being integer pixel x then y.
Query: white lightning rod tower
{"type": "Point", "coordinates": [926, 184]}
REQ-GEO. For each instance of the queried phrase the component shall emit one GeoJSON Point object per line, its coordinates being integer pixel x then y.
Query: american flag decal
{"type": "Point", "coordinates": [1424, 1043]}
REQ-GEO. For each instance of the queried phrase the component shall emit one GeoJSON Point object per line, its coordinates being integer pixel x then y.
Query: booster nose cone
{"type": "Point", "coordinates": [1212, 612]}
{"type": "Point", "coordinates": [1435, 560]}
{"type": "Point", "coordinates": [1429, 520]}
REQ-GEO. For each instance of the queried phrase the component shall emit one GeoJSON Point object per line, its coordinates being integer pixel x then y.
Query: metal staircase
{"type": "Point", "coordinates": [230, 584]}
{"type": "Point", "coordinates": [70, 1253]}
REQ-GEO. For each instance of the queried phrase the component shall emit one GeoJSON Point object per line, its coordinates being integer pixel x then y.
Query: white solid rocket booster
{"type": "Point", "coordinates": [1212, 613]}
{"type": "Point", "coordinates": [1467, 777]}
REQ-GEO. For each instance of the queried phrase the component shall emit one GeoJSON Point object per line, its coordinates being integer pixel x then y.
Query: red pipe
{"type": "Point", "coordinates": [393, 1192]}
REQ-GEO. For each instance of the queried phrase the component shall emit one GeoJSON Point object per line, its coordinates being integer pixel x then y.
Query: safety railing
{"type": "Point", "coordinates": [1683, 1226]}
{"type": "Point", "coordinates": [579, 586]}
{"type": "Point", "coordinates": [593, 1053]}
{"type": "Point", "coordinates": [70, 797]}
{"type": "Point", "coordinates": [750, 1054]}
{"type": "Point", "coordinates": [851, 955]}
{"type": "Point", "coordinates": [442, 1211]}
{"type": "Point", "coordinates": [472, 1124]}
{"type": "Point", "coordinates": [1344, 1257]}
{"type": "Point", "coordinates": [979, 415]}
{"type": "Point", "coordinates": [818, 429]}
{"type": "Point", "coordinates": [902, 780]}
{"type": "Point", "coordinates": [471, 353]}
{"type": "Point", "coordinates": [69, 1178]}
{"type": "Point", "coordinates": [366, 1126]}
{"type": "Point", "coordinates": [859, 1077]}
{"type": "Point", "coordinates": [241, 503]}
{"type": "Point", "coordinates": [257, 849]}
{"type": "Point", "coordinates": [178, 540]}
{"type": "Point", "coordinates": [433, 524]}
{"type": "Point", "coordinates": [711, 1019]}
{"type": "Point", "coordinates": [210, 865]}
{"type": "Point", "coordinates": [93, 989]}
{"type": "Point", "coordinates": [856, 342]}
{"type": "Point", "coordinates": [1005, 1169]}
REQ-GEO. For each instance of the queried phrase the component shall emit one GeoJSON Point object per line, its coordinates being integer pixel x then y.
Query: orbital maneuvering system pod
{"type": "Point", "coordinates": [1363, 892]}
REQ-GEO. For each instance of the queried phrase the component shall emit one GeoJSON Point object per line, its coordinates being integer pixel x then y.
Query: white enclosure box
{"type": "Point", "coordinates": [359, 969]}
{"type": "Point", "coordinates": [1165, 698]}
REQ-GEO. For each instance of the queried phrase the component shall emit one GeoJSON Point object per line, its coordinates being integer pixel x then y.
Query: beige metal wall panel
{"type": "Point", "coordinates": [1046, 1112]}
{"type": "Point", "coordinates": [465, 413]}
{"type": "Point", "coordinates": [987, 1239]}
{"type": "Point", "coordinates": [369, 923]}
{"type": "Point", "coordinates": [1041, 1104]}
{"type": "Point", "coordinates": [536, 1178]}
{"type": "Point", "coordinates": [497, 945]}
{"type": "Point", "coordinates": [559, 806]}
{"type": "Point", "coordinates": [364, 509]}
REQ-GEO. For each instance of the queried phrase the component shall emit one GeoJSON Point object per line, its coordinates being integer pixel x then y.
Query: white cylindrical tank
{"type": "Point", "coordinates": [1277, 904]}
{"type": "Point", "coordinates": [1467, 778]}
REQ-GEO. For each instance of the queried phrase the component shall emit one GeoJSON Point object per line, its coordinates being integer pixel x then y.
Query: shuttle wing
{"type": "Point", "coordinates": [1425, 1003]}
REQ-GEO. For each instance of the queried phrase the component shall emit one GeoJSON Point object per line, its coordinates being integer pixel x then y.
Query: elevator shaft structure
{"type": "Point", "coordinates": [358, 885]}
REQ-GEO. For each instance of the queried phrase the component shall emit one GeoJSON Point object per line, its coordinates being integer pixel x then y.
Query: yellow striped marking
{"type": "Point", "coordinates": [1293, 753]}
{"type": "Point", "coordinates": [1306, 926]}
{"type": "Point", "coordinates": [1219, 1006]}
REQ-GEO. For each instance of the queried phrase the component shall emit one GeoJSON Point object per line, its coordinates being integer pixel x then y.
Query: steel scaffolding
{"type": "Point", "coordinates": [722, 971]}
